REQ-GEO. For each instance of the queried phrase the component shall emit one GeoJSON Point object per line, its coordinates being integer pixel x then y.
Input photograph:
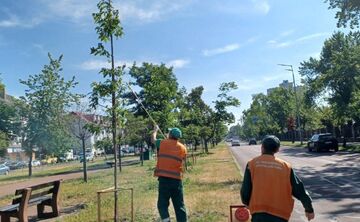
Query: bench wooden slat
{"type": "Point", "coordinates": [33, 196]}
{"type": "Point", "coordinates": [9, 208]}
{"type": "Point", "coordinates": [36, 187]}
{"type": "Point", "coordinates": [43, 193]}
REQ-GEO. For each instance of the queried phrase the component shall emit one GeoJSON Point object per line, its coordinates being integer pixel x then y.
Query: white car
{"type": "Point", "coordinates": [4, 169]}
{"type": "Point", "coordinates": [35, 163]}
{"type": "Point", "coordinates": [235, 143]}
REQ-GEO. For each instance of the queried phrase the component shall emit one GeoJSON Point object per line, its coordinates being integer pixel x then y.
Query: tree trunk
{"type": "Point", "coordinates": [344, 141]}
{"type": "Point", "coordinates": [120, 158]}
{"type": "Point", "coordinates": [293, 136]}
{"type": "Point", "coordinates": [206, 146]}
{"type": "Point", "coordinates": [142, 154]}
{"type": "Point", "coordinates": [84, 160]}
{"type": "Point", "coordinates": [30, 163]}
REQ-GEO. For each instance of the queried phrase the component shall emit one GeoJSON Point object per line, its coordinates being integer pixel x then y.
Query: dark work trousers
{"type": "Point", "coordinates": [171, 188]}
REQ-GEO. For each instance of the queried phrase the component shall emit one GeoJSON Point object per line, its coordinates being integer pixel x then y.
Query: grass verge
{"type": "Point", "coordinates": [296, 144]}
{"type": "Point", "coordinates": [210, 186]}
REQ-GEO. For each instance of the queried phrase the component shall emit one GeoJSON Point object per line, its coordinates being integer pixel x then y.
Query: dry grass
{"type": "Point", "coordinates": [210, 186]}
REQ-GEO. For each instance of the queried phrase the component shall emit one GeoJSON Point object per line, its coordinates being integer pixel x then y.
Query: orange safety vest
{"type": "Point", "coordinates": [271, 186]}
{"type": "Point", "coordinates": [170, 157]}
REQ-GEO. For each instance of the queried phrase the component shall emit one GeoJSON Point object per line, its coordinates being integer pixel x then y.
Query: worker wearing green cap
{"type": "Point", "coordinates": [270, 184]}
{"type": "Point", "coordinates": [169, 170]}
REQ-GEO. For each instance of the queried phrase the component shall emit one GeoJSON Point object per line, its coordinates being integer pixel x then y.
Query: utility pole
{"type": "Point", "coordinates": [296, 100]}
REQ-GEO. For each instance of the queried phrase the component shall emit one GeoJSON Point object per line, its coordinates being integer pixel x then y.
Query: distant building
{"type": "Point", "coordinates": [93, 138]}
{"type": "Point", "coordinates": [285, 85]}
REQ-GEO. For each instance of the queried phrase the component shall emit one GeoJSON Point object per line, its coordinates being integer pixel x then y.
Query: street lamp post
{"type": "Point", "coordinates": [296, 100]}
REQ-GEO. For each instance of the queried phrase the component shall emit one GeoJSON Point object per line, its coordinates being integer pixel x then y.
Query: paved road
{"type": "Point", "coordinates": [333, 180]}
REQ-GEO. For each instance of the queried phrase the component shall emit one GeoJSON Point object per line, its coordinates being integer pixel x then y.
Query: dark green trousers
{"type": "Point", "coordinates": [171, 188]}
{"type": "Point", "coordinates": [262, 217]}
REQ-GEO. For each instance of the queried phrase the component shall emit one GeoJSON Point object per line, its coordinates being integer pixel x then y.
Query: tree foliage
{"type": "Point", "coordinates": [348, 12]}
{"type": "Point", "coordinates": [46, 99]}
{"type": "Point", "coordinates": [158, 93]}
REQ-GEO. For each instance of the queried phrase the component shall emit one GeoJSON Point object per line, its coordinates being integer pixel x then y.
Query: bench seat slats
{"type": "Point", "coordinates": [31, 202]}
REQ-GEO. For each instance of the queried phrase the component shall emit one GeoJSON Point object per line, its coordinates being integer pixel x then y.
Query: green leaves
{"type": "Point", "coordinates": [47, 97]}
{"type": "Point", "coordinates": [336, 74]}
{"type": "Point", "coordinates": [108, 22]}
{"type": "Point", "coordinates": [158, 92]}
{"type": "Point", "coordinates": [349, 12]}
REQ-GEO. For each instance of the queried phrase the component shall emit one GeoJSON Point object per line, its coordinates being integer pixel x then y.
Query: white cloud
{"type": "Point", "coordinates": [287, 33]}
{"type": "Point", "coordinates": [225, 49]}
{"type": "Point", "coordinates": [244, 7]}
{"type": "Point", "coordinates": [98, 64]}
{"type": "Point", "coordinates": [261, 6]}
{"type": "Point", "coordinates": [148, 11]}
{"type": "Point", "coordinates": [312, 36]}
{"type": "Point", "coordinates": [137, 10]}
{"type": "Point", "coordinates": [74, 10]}
{"type": "Point", "coordinates": [278, 44]}
{"type": "Point", "coordinates": [40, 48]}
{"type": "Point", "coordinates": [178, 63]}
{"type": "Point", "coordinates": [94, 64]}
{"type": "Point", "coordinates": [14, 21]}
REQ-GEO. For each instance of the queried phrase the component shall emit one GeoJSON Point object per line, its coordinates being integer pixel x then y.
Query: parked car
{"type": "Point", "coordinates": [49, 160]}
{"type": "Point", "coordinates": [35, 163]}
{"type": "Point", "coordinates": [4, 169]}
{"type": "Point", "coordinates": [235, 143]}
{"type": "Point", "coordinates": [229, 140]}
{"type": "Point", "coordinates": [252, 141]}
{"type": "Point", "coordinates": [88, 157]}
{"type": "Point", "coordinates": [16, 165]}
{"type": "Point", "coordinates": [324, 141]}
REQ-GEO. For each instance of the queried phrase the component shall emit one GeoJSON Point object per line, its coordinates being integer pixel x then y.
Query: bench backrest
{"type": "Point", "coordinates": [36, 191]}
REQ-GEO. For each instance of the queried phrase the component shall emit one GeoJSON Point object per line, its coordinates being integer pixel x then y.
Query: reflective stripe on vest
{"type": "Point", "coordinates": [170, 157]}
{"type": "Point", "coordinates": [166, 172]}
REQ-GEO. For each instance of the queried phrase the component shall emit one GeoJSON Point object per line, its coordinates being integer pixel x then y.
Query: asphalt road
{"type": "Point", "coordinates": [332, 179]}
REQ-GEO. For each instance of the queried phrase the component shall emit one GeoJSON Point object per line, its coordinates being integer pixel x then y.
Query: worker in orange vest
{"type": "Point", "coordinates": [269, 184]}
{"type": "Point", "coordinates": [169, 170]}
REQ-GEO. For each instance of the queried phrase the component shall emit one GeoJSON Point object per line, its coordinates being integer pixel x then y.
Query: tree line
{"type": "Point", "coordinates": [329, 96]}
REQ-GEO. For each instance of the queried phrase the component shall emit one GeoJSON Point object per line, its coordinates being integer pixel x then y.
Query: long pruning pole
{"type": "Point", "coordinates": [142, 105]}
{"type": "Point", "coordinates": [113, 112]}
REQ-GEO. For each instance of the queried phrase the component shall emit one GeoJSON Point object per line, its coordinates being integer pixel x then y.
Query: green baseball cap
{"type": "Point", "coordinates": [271, 142]}
{"type": "Point", "coordinates": [175, 132]}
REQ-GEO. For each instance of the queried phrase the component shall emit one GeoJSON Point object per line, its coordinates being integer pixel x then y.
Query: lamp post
{"type": "Point", "coordinates": [296, 100]}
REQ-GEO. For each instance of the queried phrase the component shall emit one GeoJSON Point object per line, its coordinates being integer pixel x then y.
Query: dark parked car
{"type": "Point", "coordinates": [323, 141]}
{"type": "Point", "coordinates": [252, 141]}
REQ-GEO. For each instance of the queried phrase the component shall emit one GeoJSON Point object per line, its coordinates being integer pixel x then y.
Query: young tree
{"type": "Point", "coordinates": [221, 115]}
{"type": "Point", "coordinates": [78, 128]}
{"type": "Point", "coordinates": [108, 26]}
{"type": "Point", "coordinates": [46, 98]}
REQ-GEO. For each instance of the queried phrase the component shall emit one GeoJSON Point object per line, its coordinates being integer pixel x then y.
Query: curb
{"type": "Point", "coordinates": [236, 163]}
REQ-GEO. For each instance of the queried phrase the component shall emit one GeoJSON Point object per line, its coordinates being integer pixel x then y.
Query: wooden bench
{"type": "Point", "coordinates": [46, 194]}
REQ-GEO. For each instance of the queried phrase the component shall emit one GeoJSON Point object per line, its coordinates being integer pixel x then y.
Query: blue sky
{"type": "Point", "coordinates": [206, 41]}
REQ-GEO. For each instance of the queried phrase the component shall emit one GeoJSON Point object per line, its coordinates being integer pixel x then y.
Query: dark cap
{"type": "Point", "coordinates": [271, 143]}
